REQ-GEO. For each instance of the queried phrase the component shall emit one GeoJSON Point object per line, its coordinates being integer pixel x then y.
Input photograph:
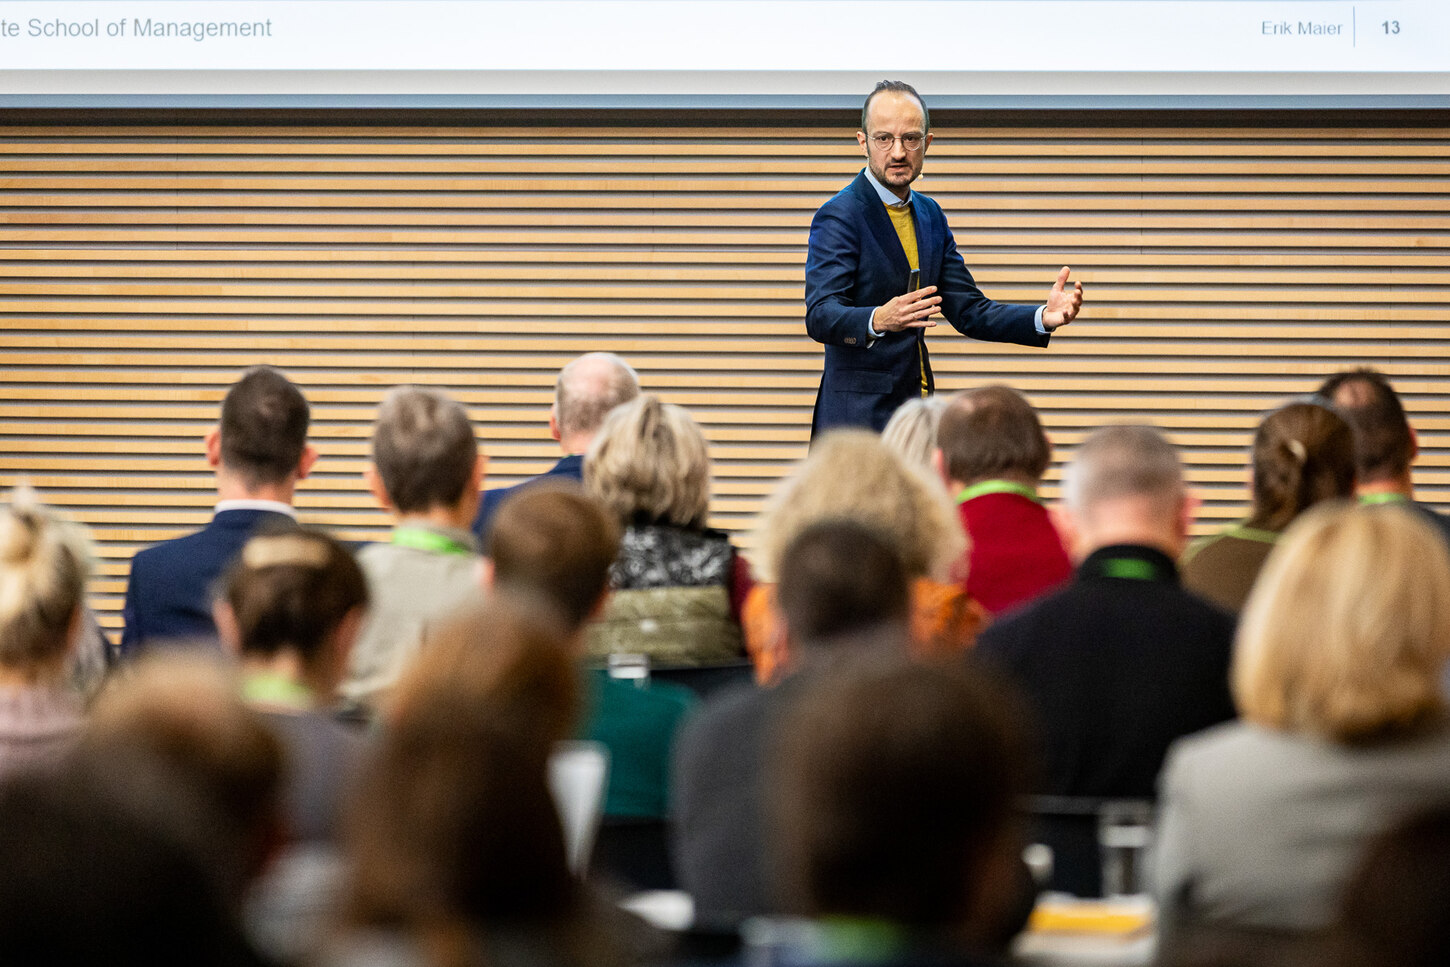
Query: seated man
{"type": "Point", "coordinates": [894, 797]}
{"type": "Point", "coordinates": [1122, 660]}
{"type": "Point", "coordinates": [1385, 445]}
{"type": "Point", "coordinates": [259, 452]}
{"type": "Point", "coordinates": [426, 472]}
{"type": "Point", "coordinates": [843, 589]}
{"type": "Point", "coordinates": [587, 389]}
{"type": "Point", "coordinates": [992, 455]}
{"type": "Point", "coordinates": [556, 543]}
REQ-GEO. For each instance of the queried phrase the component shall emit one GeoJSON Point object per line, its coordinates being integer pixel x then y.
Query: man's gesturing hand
{"type": "Point", "coordinates": [1062, 306]}
{"type": "Point", "coordinates": [909, 311]}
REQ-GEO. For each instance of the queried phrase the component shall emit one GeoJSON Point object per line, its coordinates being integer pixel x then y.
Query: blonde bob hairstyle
{"type": "Point", "coordinates": [649, 462]}
{"type": "Point", "coordinates": [1348, 627]}
{"type": "Point", "coordinates": [852, 474]}
{"type": "Point", "coordinates": [911, 431]}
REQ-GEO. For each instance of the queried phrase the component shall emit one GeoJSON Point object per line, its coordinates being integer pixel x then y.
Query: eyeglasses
{"type": "Point", "coordinates": [910, 142]}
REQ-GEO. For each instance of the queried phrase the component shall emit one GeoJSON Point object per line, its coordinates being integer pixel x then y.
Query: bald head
{"type": "Point", "coordinates": [1125, 486]}
{"type": "Point", "coordinates": [587, 389]}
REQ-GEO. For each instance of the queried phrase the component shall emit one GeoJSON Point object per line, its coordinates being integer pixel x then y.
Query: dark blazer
{"type": "Point", "coordinates": [170, 592]}
{"type": "Point", "coordinates": [569, 468]}
{"type": "Point", "coordinates": [1117, 664]}
{"type": "Point", "coordinates": [855, 263]}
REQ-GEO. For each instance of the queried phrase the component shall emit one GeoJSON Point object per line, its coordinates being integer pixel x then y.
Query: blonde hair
{"type": "Point", "coordinates": [44, 564]}
{"type": "Point", "coordinates": [852, 474]}
{"type": "Point", "coordinates": [911, 431]}
{"type": "Point", "coordinates": [1348, 627]}
{"type": "Point", "coordinates": [650, 461]}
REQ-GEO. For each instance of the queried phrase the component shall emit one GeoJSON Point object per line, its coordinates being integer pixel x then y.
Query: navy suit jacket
{"type": "Point", "coordinates": [854, 264]}
{"type": "Point", "coordinates": [170, 592]}
{"type": "Point", "coordinates": [569, 468]}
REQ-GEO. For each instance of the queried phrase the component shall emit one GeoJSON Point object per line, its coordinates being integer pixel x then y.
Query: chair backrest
{"type": "Point", "coordinates": [1088, 835]}
{"type": "Point", "coordinates": [578, 777]}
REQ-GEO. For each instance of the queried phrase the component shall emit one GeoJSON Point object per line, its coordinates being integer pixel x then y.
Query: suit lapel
{"type": "Point", "coordinates": [879, 224]}
{"type": "Point", "coordinates": [928, 241]}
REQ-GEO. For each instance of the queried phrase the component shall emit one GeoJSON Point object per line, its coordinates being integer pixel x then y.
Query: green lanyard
{"type": "Point", "coordinates": [1129, 568]}
{"type": "Point", "coordinates": [983, 487]}
{"type": "Point", "coordinates": [1374, 500]}
{"type": "Point", "coordinates": [269, 688]}
{"type": "Point", "coordinates": [422, 539]}
{"type": "Point", "coordinates": [1247, 533]}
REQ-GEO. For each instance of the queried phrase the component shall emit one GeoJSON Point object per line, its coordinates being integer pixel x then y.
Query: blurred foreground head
{"type": "Point", "coordinates": [894, 797]}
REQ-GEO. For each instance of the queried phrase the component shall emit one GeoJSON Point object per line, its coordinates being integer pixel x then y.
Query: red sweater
{"type": "Point", "coordinates": [1016, 551]}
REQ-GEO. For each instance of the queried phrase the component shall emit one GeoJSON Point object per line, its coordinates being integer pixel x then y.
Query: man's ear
{"type": "Point", "coordinates": [939, 464]}
{"type": "Point", "coordinates": [1414, 445]}
{"type": "Point", "coordinates": [1068, 528]}
{"type": "Point", "coordinates": [1187, 513]}
{"type": "Point", "coordinates": [226, 627]}
{"type": "Point", "coordinates": [861, 140]}
{"type": "Point", "coordinates": [486, 573]}
{"type": "Point", "coordinates": [376, 488]}
{"type": "Point", "coordinates": [213, 440]}
{"type": "Point", "coordinates": [480, 471]}
{"type": "Point", "coordinates": [304, 464]}
{"type": "Point", "coordinates": [554, 422]}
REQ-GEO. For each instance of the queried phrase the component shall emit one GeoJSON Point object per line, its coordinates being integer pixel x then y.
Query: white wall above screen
{"type": "Point", "coordinates": [746, 52]}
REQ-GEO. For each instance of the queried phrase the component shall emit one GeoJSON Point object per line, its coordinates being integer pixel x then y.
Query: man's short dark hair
{"type": "Point", "coordinates": [423, 448]}
{"type": "Point", "coordinates": [898, 87]}
{"type": "Point", "coordinates": [894, 791]}
{"type": "Point", "coordinates": [263, 427]}
{"type": "Point", "coordinates": [555, 541]}
{"type": "Point", "coordinates": [992, 432]}
{"type": "Point", "coordinates": [840, 578]}
{"type": "Point", "coordinates": [1384, 447]}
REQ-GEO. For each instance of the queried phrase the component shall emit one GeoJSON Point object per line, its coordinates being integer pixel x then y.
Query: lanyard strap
{"type": "Point", "coordinates": [269, 688]}
{"type": "Point", "coordinates": [1129, 568]}
{"type": "Point", "coordinates": [983, 487]}
{"type": "Point", "coordinates": [422, 539]}
{"type": "Point", "coordinates": [1371, 500]}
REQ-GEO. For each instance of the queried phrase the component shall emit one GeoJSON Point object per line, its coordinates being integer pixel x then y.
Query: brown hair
{"type": "Point", "coordinates": [894, 789]}
{"type": "Point", "coordinates": [1303, 453]}
{"type": "Point", "coordinates": [839, 577]}
{"type": "Point", "coordinates": [424, 448]}
{"type": "Point", "coordinates": [991, 432]}
{"type": "Point", "coordinates": [263, 427]}
{"type": "Point", "coordinates": [555, 541]}
{"type": "Point", "coordinates": [44, 564]}
{"type": "Point", "coordinates": [291, 590]}
{"type": "Point", "coordinates": [455, 829]}
{"type": "Point", "coordinates": [1383, 444]}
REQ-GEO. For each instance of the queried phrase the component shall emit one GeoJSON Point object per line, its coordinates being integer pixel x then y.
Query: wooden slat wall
{"type": "Point", "coordinates": [142, 268]}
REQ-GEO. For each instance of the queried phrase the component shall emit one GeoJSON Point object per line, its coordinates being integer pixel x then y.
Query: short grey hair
{"type": "Point", "coordinates": [588, 388]}
{"type": "Point", "coordinates": [1124, 461]}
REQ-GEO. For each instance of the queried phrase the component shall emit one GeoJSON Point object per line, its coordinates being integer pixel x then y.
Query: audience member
{"type": "Point", "coordinates": [851, 474]}
{"type": "Point", "coordinates": [90, 881]}
{"type": "Point", "coordinates": [44, 564]}
{"type": "Point", "coordinates": [911, 431]}
{"type": "Point", "coordinates": [426, 472]}
{"type": "Point", "coordinates": [587, 389]}
{"type": "Point", "coordinates": [843, 590]}
{"type": "Point", "coordinates": [173, 740]}
{"type": "Point", "coordinates": [1337, 671]}
{"type": "Point", "coordinates": [458, 857]}
{"type": "Point", "coordinates": [993, 454]}
{"type": "Point", "coordinates": [1122, 660]}
{"type": "Point", "coordinates": [677, 584]}
{"type": "Point", "coordinates": [1385, 446]}
{"type": "Point", "coordinates": [259, 452]}
{"type": "Point", "coordinates": [556, 543]}
{"type": "Point", "coordinates": [895, 796]}
{"type": "Point", "coordinates": [290, 608]}
{"type": "Point", "coordinates": [1303, 453]}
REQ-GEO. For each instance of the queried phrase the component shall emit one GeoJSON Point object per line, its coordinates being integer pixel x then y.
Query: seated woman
{"type": "Point", "coordinates": [852, 474]}
{"type": "Point", "coordinates": [677, 585]}
{"type": "Point", "coordinates": [291, 608]}
{"type": "Point", "coordinates": [1303, 453]}
{"type": "Point", "coordinates": [44, 565]}
{"type": "Point", "coordinates": [1337, 673]}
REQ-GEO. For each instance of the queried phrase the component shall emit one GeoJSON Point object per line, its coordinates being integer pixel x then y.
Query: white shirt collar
{"type": "Point", "coordinates": [275, 506]}
{"type": "Point", "coordinates": [888, 197]}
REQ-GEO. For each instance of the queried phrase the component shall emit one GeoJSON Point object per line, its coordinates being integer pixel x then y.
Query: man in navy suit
{"type": "Point", "coordinates": [587, 389]}
{"type": "Point", "coordinates": [259, 451]}
{"type": "Point", "coordinates": [865, 243]}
